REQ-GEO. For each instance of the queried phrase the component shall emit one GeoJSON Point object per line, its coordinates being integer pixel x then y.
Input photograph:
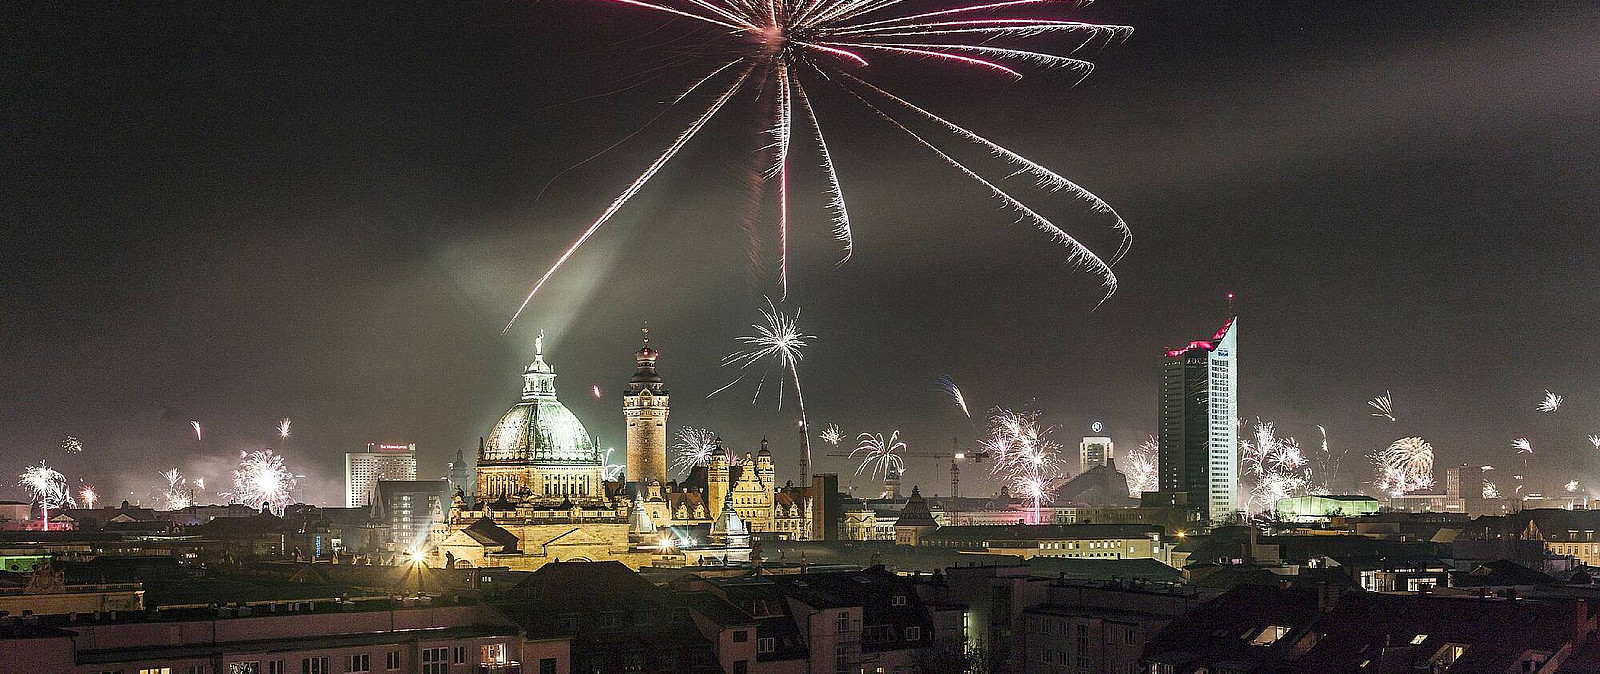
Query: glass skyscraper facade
{"type": "Point", "coordinates": [1199, 423]}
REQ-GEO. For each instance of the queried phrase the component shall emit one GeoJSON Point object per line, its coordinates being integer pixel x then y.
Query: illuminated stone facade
{"type": "Point", "coordinates": [645, 407]}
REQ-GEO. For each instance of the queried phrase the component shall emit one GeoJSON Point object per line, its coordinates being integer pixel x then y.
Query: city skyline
{"type": "Point", "coordinates": [302, 278]}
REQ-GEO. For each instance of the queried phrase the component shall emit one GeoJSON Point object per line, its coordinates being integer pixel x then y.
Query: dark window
{"type": "Point", "coordinates": [741, 636]}
{"type": "Point", "coordinates": [547, 666]}
{"type": "Point", "coordinates": [741, 667]}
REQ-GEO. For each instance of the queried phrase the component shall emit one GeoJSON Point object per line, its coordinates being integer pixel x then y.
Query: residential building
{"type": "Point", "coordinates": [1199, 415]}
{"type": "Point", "coordinates": [1079, 541]}
{"type": "Point", "coordinates": [1099, 628]}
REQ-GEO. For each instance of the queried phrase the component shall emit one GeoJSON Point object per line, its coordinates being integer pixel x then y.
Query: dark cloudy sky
{"type": "Point", "coordinates": [327, 211]}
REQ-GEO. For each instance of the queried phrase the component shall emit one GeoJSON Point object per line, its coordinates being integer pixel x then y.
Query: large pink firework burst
{"type": "Point", "coordinates": [776, 49]}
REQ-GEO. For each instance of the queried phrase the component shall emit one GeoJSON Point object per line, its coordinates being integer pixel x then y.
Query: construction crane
{"type": "Point", "coordinates": [955, 456]}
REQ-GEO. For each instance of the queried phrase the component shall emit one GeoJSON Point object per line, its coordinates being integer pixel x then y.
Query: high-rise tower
{"type": "Point", "coordinates": [1199, 423]}
{"type": "Point", "coordinates": [645, 407]}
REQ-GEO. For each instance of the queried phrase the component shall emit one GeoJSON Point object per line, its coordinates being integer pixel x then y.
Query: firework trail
{"type": "Point", "coordinates": [878, 456]}
{"type": "Point", "coordinates": [48, 489]}
{"type": "Point", "coordinates": [176, 496]}
{"type": "Point", "coordinates": [949, 386]}
{"type": "Point", "coordinates": [780, 341]}
{"type": "Point", "coordinates": [283, 429]}
{"type": "Point", "coordinates": [71, 445]}
{"type": "Point", "coordinates": [1406, 466]}
{"type": "Point", "coordinates": [1142, 467]}
{"type": "Point", "coordinates": [262, 478]}
{"type": "Point", "coordinates": [695, 447]}
{"type": "Point", "coordinates": [1384, 405]}
{"type": "Point", "coordinates": [772, 49]}
{"type": "Point", "coordinates": [197, 433]}
{"type": "Point", "coordinates": [832, 436]}
{"type": "Point", "coordinates": [1551, 402]}
{"type": "Point", "coordinates": [1024, 455]}
{"type": "Point", "coordinates": [87, 496]}
{"type": "Point", "coordinates": [596, 389]}
{"type": "Point", "coordinates": [1275, 468]}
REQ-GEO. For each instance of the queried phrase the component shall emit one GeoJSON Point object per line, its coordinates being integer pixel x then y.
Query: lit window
{"type": "Point", "coordinates": [1418, 639]}
{"type": "Point", "coordinates": [1270, 635]}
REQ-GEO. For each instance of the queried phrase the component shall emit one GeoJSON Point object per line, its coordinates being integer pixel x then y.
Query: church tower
{"type": "Point", "coordinates": [645, 407]}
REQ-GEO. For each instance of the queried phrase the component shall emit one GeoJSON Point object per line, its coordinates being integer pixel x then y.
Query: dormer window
{"type": "Point", "coordinates": [1270, 635]}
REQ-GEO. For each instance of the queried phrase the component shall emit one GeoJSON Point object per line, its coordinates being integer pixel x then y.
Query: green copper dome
{"type": "Point", "coordinates": [539, 428]}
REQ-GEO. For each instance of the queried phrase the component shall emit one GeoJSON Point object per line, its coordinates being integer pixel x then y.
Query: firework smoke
{"type": "Point", "coordinates": [779, 340]}
{"type": "Point", "coordinates": [878, 456]}
{"type": "Point", "coordinates": [772, 52]}
{"type": "Point", "coordinates": [1024, 455]}
{"type": "Point", "coordinates": [695, 447]}
{"type": "Point", "coordinates": [1406, 466]}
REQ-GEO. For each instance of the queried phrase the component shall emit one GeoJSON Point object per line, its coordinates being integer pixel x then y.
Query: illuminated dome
{"type": "Point", "coordinates": [539, 428]}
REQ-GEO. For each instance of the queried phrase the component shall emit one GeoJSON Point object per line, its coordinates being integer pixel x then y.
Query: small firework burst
{"type": "Point", "coordinates": [176, 495]}
{"type": "Point", "coordinates": [879, 456]}
{"type": "Point", "coordinates": [87, 496]}
{"type": "Point", "coordinates": [1384, 405]}
{"type": "Point", "coordinates": [1142, 466]}
{"type": "Point", "coordinates": [1406, 466]}
{"type": "Point", "coordinates": [71, 445]}
{"type": "Point", "coordinates": [1595, 440]}
{"type": "Point", "coordinates": [1024, 455]}
{"type": "Point", "coordinates": [595, 388]}
{"type": "Point", "coordinates": [283, 429]}
{"type": "Point", "coordinates": [695, 447]}
{"type": "Point", "coordinates": [1489, 490]}
{"type": "Point", "coordinates": [831, 435]}
{"type": "Point", "coordinates": [1551, 402]}
{"type": "Point", "coordinates": [198, 434]}
{"type": "Point", "coordinates": [262, 478]}
{"type": "Point", "coordinates": [1570, 486]}
{"type": "Point", "coordinates": [950, 388]}
{"type": "Point", "coordinates": [1522, 446]}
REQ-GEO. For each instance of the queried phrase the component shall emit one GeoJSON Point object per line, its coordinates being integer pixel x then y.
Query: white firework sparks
{"type": "Point", "coordinates": [1551, 402]}
{"type": "Point", "coordinates": [1406, 466]}
{"type": "Point", "coordinates": [1522, 446]}
{"type": "Point", "coordinates": [950, 388]}
{"type": "Point", "coordinates": [779, 341]}
{"type": "Point", "coordinates": [879, 456]}
{"type": "Point", "coordinates": [48, 488]}
{"type": "Point", "coordinates": [695, 447]}
{"type": "Point", "coordinates": [1274, 468]}
{"type": "Point", "coordinates": [283, 429]}
{"type": "Point", "coordinates": [71, 445]}
{"type": "Point", "coordinates": [1595, 440]}
{"type": "Point", "coordinates": [1384, 405]}
{"type": "Point", "coordinates": [176, 495]}
{"type": "Point", "coordinates": [772, 50]}
{"type": "Point", "coordinates": [1571, 486]}
{"type": "Point", "coordinates": [198, 436]}
{"type": "Point", "coordinates": [831, 435]}
{"type": "Point", "coordinates": [1489, 490]}
{"type": "Point", "coordinates": [1142, 467]}
{"type": "Point", "coordinates": [262, 478]}
{"type": "Point", "coordinates": [1024, 455]}
{"type": "Point", "coordinates": [87, 496]}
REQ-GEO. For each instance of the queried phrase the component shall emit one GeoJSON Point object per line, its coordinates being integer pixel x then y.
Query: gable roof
{"type": "Point", "coordinates": [487, 533]}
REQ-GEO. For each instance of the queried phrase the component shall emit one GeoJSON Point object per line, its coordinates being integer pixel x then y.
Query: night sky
{"type": "Point", "coordinates": [327, 211]}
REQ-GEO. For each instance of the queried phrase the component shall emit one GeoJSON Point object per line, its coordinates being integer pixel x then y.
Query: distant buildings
{"type": "Point", "coordinates": [1199, 415]}
{"type": "Point", "coordinates": [362, 470]}
{"type": "Point", "coordinates": [1093, 451]}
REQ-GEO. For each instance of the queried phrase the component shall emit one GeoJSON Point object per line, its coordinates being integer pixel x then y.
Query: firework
{"type": "Point", "coordinates": [176, 496]}
{"type": "Point", "coordinates": [48, 488]}
{"type": "Point", "coordinates": [1571, 486]}
{"type": "Point", "coordinates": [779, 340]}
{"type": "Point", "coordinates": [878, 456]}
{"type": "Point", "coordinates": [71, 445]}
{"type": "Point", "coordinates": [1406, 466]}
{"type": "Point", "coordinates": [1024, 455]}
{"type": "Point", "coordinates": [949, 386]}
{"type": "Point", "coordinates": [1384, 405]}
{"type": "Point", "coordinates": [87, 496]}
{"type": "Point", "coordinates": [1522, 446]}
{"type": "Point", "coordinates": [1551, 402]}
{"type": "Point", "coordinates": [1141, 466]}
{"type": "Point", "coordinates": [283, 429]}
{"type": "Point", "coordinates": [831, 435]}
{"type": "Point", "coordinates": [1276, 468]}
{"type": "Point", "coordinates": [1595, 440]}
{"type": "Point", "coordinates": [1489, 490]}
{"type": "Point", "coordinates": [595, 388]}
{"type": "Point", "coordinates": [773, 50]}
{"type": "Point", "coordinates": [197, 433]}
{"type": "Point", "coordinates": [262, 478]}
{"type": "Point", "coordinates": [695, 447]}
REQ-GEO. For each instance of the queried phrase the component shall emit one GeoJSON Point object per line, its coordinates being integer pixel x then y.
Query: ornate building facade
{"type": "Point", "coordinates": [540, 496]}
